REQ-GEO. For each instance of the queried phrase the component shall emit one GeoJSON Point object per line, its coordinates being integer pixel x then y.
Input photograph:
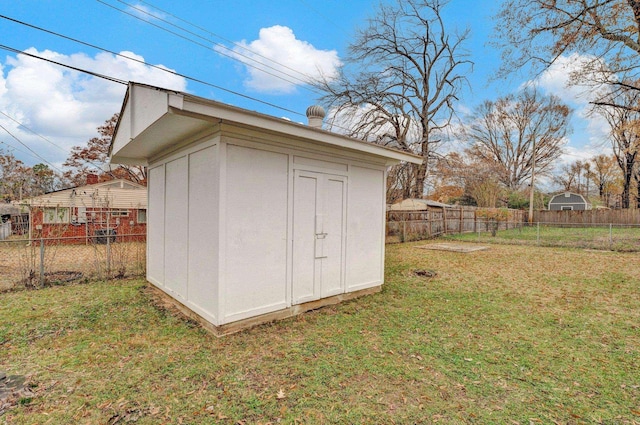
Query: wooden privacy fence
{"type": "Point", "coordinates": [626, 216]}
{"type": "Point", "coordinates": [405, 226]}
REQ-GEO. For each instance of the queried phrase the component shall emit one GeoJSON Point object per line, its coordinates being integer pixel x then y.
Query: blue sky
{"type": "Point", "coordinates": [64, 107]}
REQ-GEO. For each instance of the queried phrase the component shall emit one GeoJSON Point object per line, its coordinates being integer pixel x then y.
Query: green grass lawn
{"type": "Point", "coordinates": [510, 335]}
{"type": "Point", "coordinates": [617, 238]}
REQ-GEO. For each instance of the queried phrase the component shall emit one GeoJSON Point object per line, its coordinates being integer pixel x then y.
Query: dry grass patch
{"type": "Point", "coordinates": [508, 335]}
{"type": "Point", "coordinates": [20, 262]}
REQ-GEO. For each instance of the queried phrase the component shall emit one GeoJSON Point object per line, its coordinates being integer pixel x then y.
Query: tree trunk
{"type": "Point", "coordinates": [418, 186]}
{"type": "Point", "coordinates": [626, 189]}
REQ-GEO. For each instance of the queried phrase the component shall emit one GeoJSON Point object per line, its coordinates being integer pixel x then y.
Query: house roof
{"type": "Point", "coordinates": [9, 209]}
{"type": "Point", "coordinates": [568, 197]}
{"type": "Point", "coordinates": [153, 120]}
{"type": "Point", "coordinates": [117, 193]}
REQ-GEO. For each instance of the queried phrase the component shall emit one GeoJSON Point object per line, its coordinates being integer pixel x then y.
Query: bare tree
{"type": "Point", "coordinates": [517, 133]}
{"type": "Point", "coordinates": [14, 177]}
{"type": "Point", "coordinates": [605, 32]}
{"type": "Point", "coordinates": [570, 177]}
{"type": "Point", "coordinates": [605, 173]}
{"type": "Point", "coordinates": [403, 73]}
{"type": "Point", "coordinates": [19, 181]}
{"type": "Point", "coordinates": [91, 158]}
{"type": "Point", "coordinates": [625, 136]}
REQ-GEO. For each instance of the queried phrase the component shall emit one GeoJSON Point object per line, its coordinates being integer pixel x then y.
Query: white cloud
{"type": "Point", "coordinates": [63, 105]}
{"type": "Point", "coordinates": [277, 61]}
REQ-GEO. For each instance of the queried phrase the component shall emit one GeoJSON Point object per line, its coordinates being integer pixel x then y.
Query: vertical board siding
{"type": "Point", "coordinates": [365, 231]}
{"type": "Point", "coordinates": [256, 232]}
{"type": "Point", "coordinates": [155, 226]}
{"type": "Point", "coordinates": [626, 216]}
{"type": "Point", "coordinates": [175, 226]}
{"type": "Point", "coordinates": [404, 226]}
{"type": "Point", "coordinates": [203, 231]}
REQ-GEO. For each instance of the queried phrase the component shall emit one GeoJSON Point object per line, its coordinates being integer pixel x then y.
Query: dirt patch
{"type": "Point", "coordinates": [14, 390]}
{"type": "Point", "coordinates": [453, 247]}
{"type": "Point", "coordinates": [427, 274]}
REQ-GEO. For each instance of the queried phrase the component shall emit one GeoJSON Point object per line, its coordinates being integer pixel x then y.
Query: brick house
{"type": "Point", "coordinates": [87, 214]}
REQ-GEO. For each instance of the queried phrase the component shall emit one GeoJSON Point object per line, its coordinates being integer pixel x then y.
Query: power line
{"type": "Point", "coordinates": [94, 74]}
{"type": "Point", "coordinates": [207, 46]}
{"type": "Point", "coordinates": [316, 11]}
{"type": "Point", "coordinates": [28, 148]}
{"type": "Point", "coordinates": [196, 80]}
{"type": "Point", "coordinates": [33, 132]}
{"type": "Point", "coordinates": [45, 139]}
{"type": "Point", "coordinates": [306, 79]}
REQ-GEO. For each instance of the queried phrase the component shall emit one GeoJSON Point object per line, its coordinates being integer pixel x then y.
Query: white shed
{"type": "Point", "coordinates": [252, 218]}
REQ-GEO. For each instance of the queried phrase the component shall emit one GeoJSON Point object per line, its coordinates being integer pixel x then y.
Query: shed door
{"type": "Point", "coordinates": [319, 206]}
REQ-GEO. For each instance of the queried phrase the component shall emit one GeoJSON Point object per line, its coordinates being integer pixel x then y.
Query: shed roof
{"type": "Point", "coordinates": [153, 120]}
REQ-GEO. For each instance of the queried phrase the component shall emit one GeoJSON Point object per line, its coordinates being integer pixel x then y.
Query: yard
{"type": "Point", "coordinates": [513, 334]}
{"type": "Point", "coordinates": [624, 238]}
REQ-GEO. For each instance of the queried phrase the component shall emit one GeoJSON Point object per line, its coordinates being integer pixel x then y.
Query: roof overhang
{"type": "Point", "coordinates": [152, 120]}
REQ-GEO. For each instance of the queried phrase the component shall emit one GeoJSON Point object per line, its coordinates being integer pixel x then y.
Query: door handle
{"type": "Point", "coordinates": [321, 235]}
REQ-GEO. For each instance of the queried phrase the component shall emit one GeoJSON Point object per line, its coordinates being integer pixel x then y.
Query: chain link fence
{"type": "Point", "coordinates": [36, 263]}
{"type": "Point", "coordinates": [610, 237]}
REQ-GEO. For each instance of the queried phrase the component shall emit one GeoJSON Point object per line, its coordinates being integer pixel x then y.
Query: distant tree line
{"type": "Point", "coordinates": [406, 68]}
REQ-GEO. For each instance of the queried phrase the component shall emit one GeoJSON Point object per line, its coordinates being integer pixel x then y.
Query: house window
{"type": "Point", "coordinates": [56, 215]}
{"type": "Point", "coordinates": [566, 207]}
{"type": "Point", "coordinates": [142, 216]}
{"type": "Point", "coordinates": [119, 213]}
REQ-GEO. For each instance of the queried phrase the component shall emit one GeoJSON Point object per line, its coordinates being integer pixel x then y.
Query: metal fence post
{"type": "Point", "coordinates": [41, 261]}
{"type": "Point", "coordinates": [108, 253]}
{"type": "Point", "coordinates": [538, 233]}
{"type": "Point", "coordinates": [610, 235]}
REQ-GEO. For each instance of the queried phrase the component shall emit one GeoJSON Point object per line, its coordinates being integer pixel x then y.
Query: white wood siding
{"type": "Point", "coordinates": [365, 228]}
{"type": "Point", "coordinates": [203, 231]}
{"type": "Point", "coordinates": [155, 226]}
{"type": "Point", "coordinates": [175, 227]}
{"type": "Point", "coordinates": [100, 195]}
{"type": "Point", "coordinates": [255, 198]}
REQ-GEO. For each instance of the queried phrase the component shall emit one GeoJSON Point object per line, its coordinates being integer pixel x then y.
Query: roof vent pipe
{"type": "Point", "coordinates": [315, 114]}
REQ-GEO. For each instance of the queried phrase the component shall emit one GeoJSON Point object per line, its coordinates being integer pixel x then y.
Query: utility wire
{"type": "Point", "coordinates": [323, 15]}
{"type": "Point", "coordinates": [33, 132]}
{"type": "Point", "coordinates": [94, 74]}
{"type": "Point", "coordinates": [306, 78]}
{"type": "Point", "coordinates": [45, 139]}
{"type": "Point", "coordinates": [12, 148]}
{"type": "Point", "coordinates": [28, 148]}
{"type": "Point", "coordinates": [205, 45]}
{"type": "Point", "coordinates": [196, 80]}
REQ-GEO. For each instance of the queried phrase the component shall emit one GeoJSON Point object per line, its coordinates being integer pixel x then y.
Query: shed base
{"type": "Point", "coordinates": [165, 300]}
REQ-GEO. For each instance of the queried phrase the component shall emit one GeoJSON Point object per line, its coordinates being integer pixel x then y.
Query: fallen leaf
{"type": "Point", "coordinates": [281, 394]}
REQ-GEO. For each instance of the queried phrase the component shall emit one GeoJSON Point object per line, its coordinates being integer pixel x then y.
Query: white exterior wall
{"type": "Point", "coordinates": [234, 225]}
{"type": "Point", "coordinates": [255, 198]}
{"type": "Point", "coordinates": [183, 232]}
{"type": "Point", "coordinates": [366, 228]}
{"type": "Point", "coordinates": [155, 225]}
